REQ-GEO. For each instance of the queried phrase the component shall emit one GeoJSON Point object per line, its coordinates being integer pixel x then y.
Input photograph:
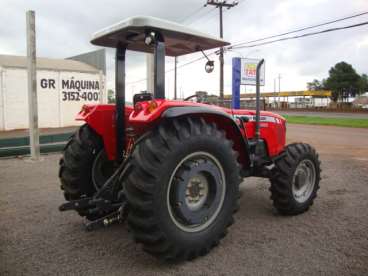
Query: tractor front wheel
{"type": "Point", "coordinates": [295, 179]}
{"type": "Point", "coordinates": [183, 189]}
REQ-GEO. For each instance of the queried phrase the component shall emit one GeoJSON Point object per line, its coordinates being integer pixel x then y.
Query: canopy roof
{"type": "Point", "coordinates": [179, 39]}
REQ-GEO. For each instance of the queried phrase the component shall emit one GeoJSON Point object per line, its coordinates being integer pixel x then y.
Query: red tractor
{"type": "Point", "coordinates": [173, 168]}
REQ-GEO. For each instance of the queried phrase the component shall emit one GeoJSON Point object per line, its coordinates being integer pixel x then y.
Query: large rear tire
{"type": "Point", "coordinates": [295, 182]}
{"type": "Point", "coordinates": [82, 154]}
{"type": "Point", "coordinates": [183, 189]}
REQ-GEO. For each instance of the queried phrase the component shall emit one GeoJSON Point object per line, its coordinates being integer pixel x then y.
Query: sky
{"type": "Point", "coordinates": [64, 29]}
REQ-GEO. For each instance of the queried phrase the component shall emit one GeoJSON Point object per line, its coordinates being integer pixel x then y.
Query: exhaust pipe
{"type": "Point", "coordinates": [258, 96]}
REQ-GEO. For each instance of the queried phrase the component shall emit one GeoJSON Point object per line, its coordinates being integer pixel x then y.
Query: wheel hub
{"type": "Point", "coordinates": [196, 192]}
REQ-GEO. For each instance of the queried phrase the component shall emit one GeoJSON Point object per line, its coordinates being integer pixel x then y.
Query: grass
{"type": "Point", "coordinates": [341, 122]}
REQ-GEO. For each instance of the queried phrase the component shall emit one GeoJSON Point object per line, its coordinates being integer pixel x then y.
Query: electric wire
{"type": "Point", "coordinates": [242, 45]}
{"type": "Point", "coordinates": [302, 29]}
{"type": "Point", "coordinates": [300, 36]}
{"type": "Point", "coordinates": [191, 14]}
{"type": "Point", "coordinates": [206, 16]}
{"type": "Point", "coordinates": [172, 69]}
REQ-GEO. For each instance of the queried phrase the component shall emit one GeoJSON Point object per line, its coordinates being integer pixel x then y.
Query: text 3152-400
{"type": "Point", "coordinates": [80, 96]}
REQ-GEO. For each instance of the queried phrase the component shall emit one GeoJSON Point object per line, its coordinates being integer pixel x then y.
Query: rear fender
{"type": "Point", "coordinates": [101, 118]}
{"type": "Point", "coordinates": [223, 121]}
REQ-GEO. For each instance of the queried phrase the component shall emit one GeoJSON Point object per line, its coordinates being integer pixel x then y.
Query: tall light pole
{"type": "Point", "coordinates": [220, 4]}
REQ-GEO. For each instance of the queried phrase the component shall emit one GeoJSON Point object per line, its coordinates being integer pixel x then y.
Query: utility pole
{"type": "Point", "coordinates": [175, 80]}
{"type": "Point", "coordinates": [279, 77]}
{"type": "Point", "coordinates": [34, 135]}
{"type": "Point", "coordinates": [220, 4]}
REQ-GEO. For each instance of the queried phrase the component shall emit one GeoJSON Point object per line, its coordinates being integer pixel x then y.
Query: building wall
{"type": "Point", "coordinates": [15, 99]}
{"type": "Point", "coordinates": [60, 97]}
{"type": "Point", "coordinates": [1, 100]}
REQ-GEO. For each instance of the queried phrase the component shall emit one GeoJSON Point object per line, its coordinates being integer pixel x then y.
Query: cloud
{"type": "Point", "coordinates": [65, 27]}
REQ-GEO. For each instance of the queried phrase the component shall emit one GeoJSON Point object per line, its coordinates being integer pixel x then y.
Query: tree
{"type": "Point", "coordinates": [363, 84]}
{"type": "Point", "coordinates": [343, 81]}
{"type": "Point", "coordinates": [315, 85]}
{"type": "Point", "coordinates": [110, 96]}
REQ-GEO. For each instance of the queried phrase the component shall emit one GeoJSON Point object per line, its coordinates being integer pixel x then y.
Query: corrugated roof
{"type": "Point", "coordinates": [48, 64]}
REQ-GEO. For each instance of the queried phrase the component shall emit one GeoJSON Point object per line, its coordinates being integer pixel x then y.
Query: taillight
{"type": "Point", "coordinates": [152, 105]}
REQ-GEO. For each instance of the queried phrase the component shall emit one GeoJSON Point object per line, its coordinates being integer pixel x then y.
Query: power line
{"type": "Point", "coordinates": [191, 14]}
{"type": "Point", "coordinates": [301, 36]}
{"type": "Point", "coordinates": [205, 15]}
{"type": "Point", "coordinates": [221, 4]}
{"type": "Point", "coordinates": [172, 69]}
{"type": "Point", "coordinates": [136, 81]}
{"type": "Point", "coordinates": [241, 2]}
{"type": "Point", "coordinates": [195, 12]}
{"type": "Point", "coordinates": [192, 61]}
{"type": "Point", "coordinates": [239, 45]}
{"type": "Point", "coordinates": [301, 29]}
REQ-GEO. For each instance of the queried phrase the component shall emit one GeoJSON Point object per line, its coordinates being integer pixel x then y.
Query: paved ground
{"type": "Point", "coordinates": [330, 239]}
{"type": "Point", "coordinates": [326, 114]}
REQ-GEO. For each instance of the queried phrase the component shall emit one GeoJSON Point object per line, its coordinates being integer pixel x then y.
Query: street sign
{"type": "Point", "coordinates": [248, 72]}
{"type": "Point", "coordinates": [244, 72]}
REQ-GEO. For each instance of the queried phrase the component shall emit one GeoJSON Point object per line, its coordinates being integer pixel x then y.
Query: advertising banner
{"type": "Point", "coordinates": [248, 69]}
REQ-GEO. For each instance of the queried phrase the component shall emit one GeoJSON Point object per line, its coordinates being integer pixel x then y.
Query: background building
{"type": "Point", "coordinates": [63, 86]}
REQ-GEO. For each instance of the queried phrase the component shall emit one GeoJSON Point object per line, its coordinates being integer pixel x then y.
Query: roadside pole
{"type": "Point", "coordinates": [279, 77]}
{"type": "Point", "coordinates": [34, 136]}
{"type": "Point", "coordinates": [150, 73]}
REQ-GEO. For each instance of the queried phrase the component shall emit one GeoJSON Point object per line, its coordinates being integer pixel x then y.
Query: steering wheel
{"type": "Point", "coordinates": [192, 97]}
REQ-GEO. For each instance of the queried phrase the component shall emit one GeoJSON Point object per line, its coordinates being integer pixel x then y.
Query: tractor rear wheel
{"type": "Point", "coordinates": [183, 189]}
{"type": "Point", "coordinates": [84, 166]}
{"type": "Point", "coordinates": [296, 179]}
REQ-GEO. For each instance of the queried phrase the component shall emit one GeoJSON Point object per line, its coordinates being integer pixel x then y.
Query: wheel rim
{"type": "Point", "coordinates": [304, 179]}
{"type": "Point", "coordinates": [102, 169]}
{"type": "Point", "coordinates": [196, 191]}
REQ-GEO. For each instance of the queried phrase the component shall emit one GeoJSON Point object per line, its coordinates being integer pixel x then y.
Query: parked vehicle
{"type": "Point", "coordinates": [174, 167]}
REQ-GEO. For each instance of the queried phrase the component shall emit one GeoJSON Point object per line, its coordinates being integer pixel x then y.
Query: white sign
{"type": "Point", "coordinates": [248, 72]}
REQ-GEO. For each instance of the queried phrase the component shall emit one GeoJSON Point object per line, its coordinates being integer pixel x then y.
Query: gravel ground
{"type": "Point", "coordinates": [332, 238]}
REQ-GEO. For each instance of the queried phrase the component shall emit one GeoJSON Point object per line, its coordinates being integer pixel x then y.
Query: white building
{"type": "Point", "coordinates": [63, 86]}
